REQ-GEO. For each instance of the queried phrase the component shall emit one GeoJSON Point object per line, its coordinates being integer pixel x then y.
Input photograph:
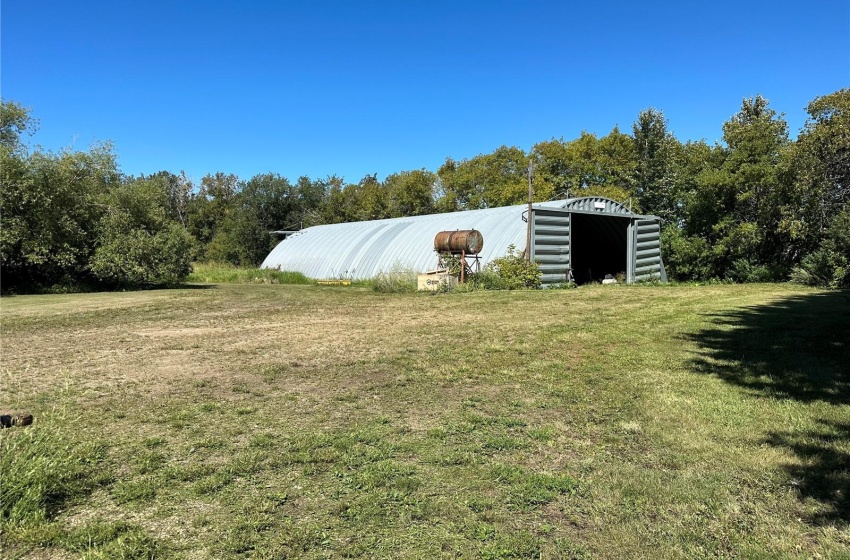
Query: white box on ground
{"type": "Point", "coordinates": [431, 281]}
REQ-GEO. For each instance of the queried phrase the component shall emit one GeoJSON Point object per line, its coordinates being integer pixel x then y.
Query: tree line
{"type": "Point", "coordinates": [757, 206]}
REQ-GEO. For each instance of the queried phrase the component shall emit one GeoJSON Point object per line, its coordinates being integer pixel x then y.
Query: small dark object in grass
{"type": "Point", "coordinates": [18, 419]}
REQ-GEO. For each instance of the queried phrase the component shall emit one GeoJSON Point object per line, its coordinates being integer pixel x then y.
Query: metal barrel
{"type": "Point", "coordinates": [465, 240]}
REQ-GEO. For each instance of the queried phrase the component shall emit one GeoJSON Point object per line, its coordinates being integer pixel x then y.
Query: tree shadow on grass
{"type": "Point", "coordinates": [824, 472]}
{"type": "Point", "coordinates": [796, 348]}
{"type": "Point", "coordinates": [84, 289]}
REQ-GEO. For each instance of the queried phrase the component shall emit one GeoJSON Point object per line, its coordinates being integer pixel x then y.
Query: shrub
{"type": "Point", "coordinates": [136, 257]}
{"type": "Point", "coordinates": [745, 271]}
{"type": "Point", "coordinates": [829, 265]}
{"type": "Point", "coordinates": [515, 272]}
{"type": "Point", "coordinates": [487, 279]}
{"type": "Point", "coordinates": [563, 286]}
{"type": "Point", "coordinates": [686, 257]}
{"type": "Point", "coordinates": [511, 272]}
{"type": "Point", "coordinates": [451, 262]}
{"type": "Point", "coordinates": [49, 205]}
{"type": "Point", "coordinates": [825, 268]}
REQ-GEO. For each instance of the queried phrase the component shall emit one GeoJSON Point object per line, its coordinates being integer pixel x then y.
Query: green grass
{"type": "Point", "coordinates": [223, 273]}
{"type": "Point", "coordinates": [45, 468]}
{"type": "Point", "coordinates": [270, 421]}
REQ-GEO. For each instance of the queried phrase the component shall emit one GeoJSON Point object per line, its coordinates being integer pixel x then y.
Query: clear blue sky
{"type": "Point", "coordinates": [349, 88]}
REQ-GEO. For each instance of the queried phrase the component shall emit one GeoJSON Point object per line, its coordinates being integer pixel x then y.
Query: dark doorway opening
{"type": "Point", "coordinates": [598, 246]}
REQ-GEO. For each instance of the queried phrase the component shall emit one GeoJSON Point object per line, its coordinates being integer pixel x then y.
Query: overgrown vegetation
{"type": "Point", "coordinates": [44, 470]}
{"type": "Point", "coordinates": [829, 264]}
{"type": "Point", "coordinates": [70, 219]}
{"type": "Point", "coordinates": [755, 207]}
{"type": "Point", "coordinates": [514, 271]}
{"type": "Point", "coordinates": [226, 273]}
{"type": "Point", "coordinates": [53, 467]}
{"type": "Point", "coordinates": [272, 421]}
{"type": "Point", "coordinates": [397, 280]}
{"type": "Point", "coordinates": [508, 272]}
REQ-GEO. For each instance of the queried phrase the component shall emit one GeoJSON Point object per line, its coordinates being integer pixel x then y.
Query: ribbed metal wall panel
{"type": "Point", "coordinates": [550, 240]}
{"type": "Point", "coordinates": [597, 204]}
{"type": "Point", "coordinates": [647, 251]}
{"type": "Point", "coordinates": [365, 249]}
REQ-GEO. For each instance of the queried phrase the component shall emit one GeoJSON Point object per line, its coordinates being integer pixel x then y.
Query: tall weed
{"type": "Point", "coordinates": [223, 273]}
{"type": "Point", "coordinates": [44, 468]}
{"type": "Point", "coordinates": [397, 280]}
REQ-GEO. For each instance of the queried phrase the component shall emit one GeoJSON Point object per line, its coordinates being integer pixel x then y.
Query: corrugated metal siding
{"type": "Point", "coordinates": [362, 250]}
{"type": "Point", "coordinates": [365, 249]}
{"type": "Point", "coordinates": [551, 244]}
{"type": "Point", "coordinates": [597, 204]}
{"type": "Point", "coordinates": [647, 251]}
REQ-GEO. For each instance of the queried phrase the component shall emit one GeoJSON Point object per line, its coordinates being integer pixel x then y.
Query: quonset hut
{"type": "Point", "coordinates": [589, 237]}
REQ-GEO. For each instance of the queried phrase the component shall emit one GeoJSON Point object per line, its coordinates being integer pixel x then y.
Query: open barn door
{"type": "Point", "coordinates": [645, 253]}
{"type": "Point", "coordinates": [550, 243]}
{"type": "Point", "coordinates": [586, 246]}
{"type": "Point", "coordinates": [599, 246]}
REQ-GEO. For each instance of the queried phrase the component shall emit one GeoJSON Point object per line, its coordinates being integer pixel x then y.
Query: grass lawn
{"type": "Point", "coordinates": [275, 421]}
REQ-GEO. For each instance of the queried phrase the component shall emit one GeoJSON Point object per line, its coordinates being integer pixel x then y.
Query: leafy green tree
{"type": "Point", "coordinates": [686, 257]}
{"type": "Point", "coordinates": [827, 136]}
{"type": "Point", "coordinates": [410, 193]}
{"type": "Point", "coordinates": [829, 264]}
{"type": "Point", "coordinates": [653, 173]}
{"type": "Point", "coordinates": [334, 209]}
{"type": "Point", "coordinates": [690, 160]}
{"type": "Point", "coordinates": [485, 181]}
{"type": "Point", "coordinates": [179, 189]}
{"type": "Point", "coordinates": [210, 206]}
{"type": "Point", "coordinates": [567, 168]}
{"type": "Point", "coordinates": [817, 217]}
{"type": "Point", "coordinates": [446, 196]}
{"type": "Point", "coordinates": [370, 200]}
{"type": "Point", "coordinates": [15, 120]}
{"type": "Point", "coordinates": [684, 240]}
{"type": "Point", "coordinates": [820, 165]}
{"type": "Point", "coordinates": [138, 243]}
{"type": "Point", "coordinates": [49, 203]}
{"type": "Point", "coordinates": [265, 203]}
{"type": "Point", "coordinates": [618, 161]}
{"type": "Point", "coordinates": [752, 187]}
{"type": "Point", "coordinates": [586, 166]}
{"type": "Point", "coordinates": [70, 219]}
{"type": "Point", "coordinates": [735, 200]}
{"type": "Point", "coordinates": [270, 200]}
{"type": "Point", "coordinates": [311, 196]}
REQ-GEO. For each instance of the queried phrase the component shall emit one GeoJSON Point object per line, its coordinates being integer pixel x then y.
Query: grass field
{"type": "Point", "coordinates": [275, 421]}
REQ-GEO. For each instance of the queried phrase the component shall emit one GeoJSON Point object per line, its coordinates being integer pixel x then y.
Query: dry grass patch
{"type": "Point", "coordinates": [267, 421]}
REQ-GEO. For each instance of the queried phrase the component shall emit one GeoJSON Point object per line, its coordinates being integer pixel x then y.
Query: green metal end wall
{"type": "Point", "coordinates": [645, 251]}
{"type": "Point", "coordinates": [552, 243]}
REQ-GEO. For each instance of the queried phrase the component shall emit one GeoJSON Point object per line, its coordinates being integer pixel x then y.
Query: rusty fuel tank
{"type": "Point", "coordinates": [468, 241]}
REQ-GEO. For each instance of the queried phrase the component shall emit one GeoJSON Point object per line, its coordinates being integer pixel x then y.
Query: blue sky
{"type": "Point", "coordinates": [349, 88]}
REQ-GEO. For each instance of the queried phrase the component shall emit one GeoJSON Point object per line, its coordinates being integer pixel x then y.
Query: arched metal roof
{"type": "Point", "coordinates": [596, 204]}
{"type": "Point", "coordinates": [362, 250]}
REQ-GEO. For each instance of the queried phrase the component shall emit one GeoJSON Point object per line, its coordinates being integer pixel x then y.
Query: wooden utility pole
{"type": "Point", "coordinates": [528, 215]}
